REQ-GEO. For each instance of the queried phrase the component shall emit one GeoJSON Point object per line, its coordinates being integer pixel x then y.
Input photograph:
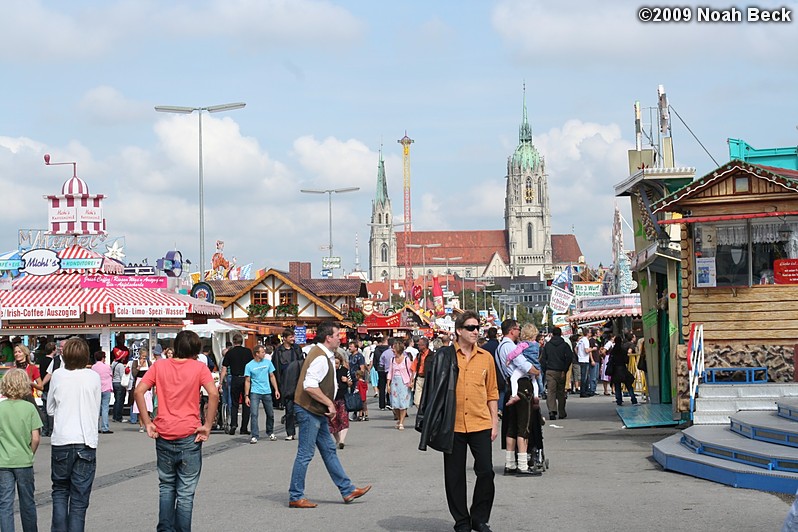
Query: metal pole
{"type": "Point", "coordinates": [329, 195]}
{"type": "Point", "coordinates": [424, 267]}
{"type": "Point", "coordinates": [201, 203]}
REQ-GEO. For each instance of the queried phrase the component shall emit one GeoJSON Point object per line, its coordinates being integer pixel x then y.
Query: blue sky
{"type": "Point", "coordinates": [326, 83]}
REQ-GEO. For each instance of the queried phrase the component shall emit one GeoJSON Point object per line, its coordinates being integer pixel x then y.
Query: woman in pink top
{"type": "Point", "coordinates": [400, 379]}
{"type": "Point", "coordinates": [106, 386]}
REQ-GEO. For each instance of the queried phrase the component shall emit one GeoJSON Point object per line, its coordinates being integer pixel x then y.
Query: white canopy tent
{"type": "Point", "coordinates": [220, 332]}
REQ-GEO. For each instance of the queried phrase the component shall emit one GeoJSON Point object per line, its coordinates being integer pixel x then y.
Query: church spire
{"type": "Point", "coordinates": [382, 184]}
{"type": "Point", "coordinates": [524, 132]}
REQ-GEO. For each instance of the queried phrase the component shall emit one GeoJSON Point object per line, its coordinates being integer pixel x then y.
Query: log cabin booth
{"type": "Point", "coordinates": [739, 267]}
{"type": "Point", "coordinates": [279, 299]}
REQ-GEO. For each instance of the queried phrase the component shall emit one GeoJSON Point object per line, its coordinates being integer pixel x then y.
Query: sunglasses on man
{"type": "Point", "coordinates": [471, 328]}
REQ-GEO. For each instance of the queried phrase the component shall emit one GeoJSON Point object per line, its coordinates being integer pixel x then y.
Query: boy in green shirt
{"type": "Point", "coordinates": [19, 439]}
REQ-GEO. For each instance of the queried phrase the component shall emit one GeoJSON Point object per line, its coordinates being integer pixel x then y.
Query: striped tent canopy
{"type": "Point", "coordinates": [77, 252]}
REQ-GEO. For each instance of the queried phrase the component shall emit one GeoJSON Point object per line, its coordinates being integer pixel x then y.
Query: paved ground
{"type": "Point", "coordinates": [602, 477]}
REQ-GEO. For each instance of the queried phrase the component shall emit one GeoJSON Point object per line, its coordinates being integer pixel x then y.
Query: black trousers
{"type": "Point", "coordinates": [454, 475]}
{"type": "Point", "coordinates": [382, 381]}
{"type": "Point", "coordinates": [236, 396]}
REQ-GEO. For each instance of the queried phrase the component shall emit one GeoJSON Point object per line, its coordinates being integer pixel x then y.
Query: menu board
{"type": "Point", "coordinates": [785, 271]}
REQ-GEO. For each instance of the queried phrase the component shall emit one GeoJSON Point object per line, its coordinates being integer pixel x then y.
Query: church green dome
{"type": "Point", "coordinates": [526, 156]}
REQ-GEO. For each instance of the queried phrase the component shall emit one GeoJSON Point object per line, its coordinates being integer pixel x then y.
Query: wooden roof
{"type": "Point", "coordinates": [783, 178]}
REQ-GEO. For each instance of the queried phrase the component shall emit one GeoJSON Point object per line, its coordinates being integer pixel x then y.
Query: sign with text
{"type": "Point", "coordinates": [149, 311]}
{"type": "Point", "coordinates": [300, 335]}
{"type": "Point", "coordinates": [63, 214]}
{"type": "Point", "coordinates": [90, 214]}
{"type": "Point", "coordinates": [40, 262]}
{"type": "Point", "coordinates": [122, 281]}
{"type": "Point", "coordinates": [81, 264]}
{"type": "Point", "coordinates": [785, 271]}
{"type": "Point", "coordinates": [71, 312]}
{"type": "Point", "coordinates": [587, 289]}
{"type": "Point", "coordinates": [560, 300]}
{"type": "Point", "coordinates": [331, 263]}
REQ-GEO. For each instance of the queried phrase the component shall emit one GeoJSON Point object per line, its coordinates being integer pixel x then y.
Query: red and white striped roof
{"type": "Point", "coordinates": [64, 290]}
{"type": "Point", "coordinates": [78, 252]}
{"type": "Point", "coordinates": [74, 186]}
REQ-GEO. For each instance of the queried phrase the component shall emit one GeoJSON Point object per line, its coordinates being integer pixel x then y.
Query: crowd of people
{"type": "Point", "coordinates": [173, 394]}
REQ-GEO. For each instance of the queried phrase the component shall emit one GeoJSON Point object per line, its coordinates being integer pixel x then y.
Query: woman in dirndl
{"type": "Point", "coordinates": [339, 425]}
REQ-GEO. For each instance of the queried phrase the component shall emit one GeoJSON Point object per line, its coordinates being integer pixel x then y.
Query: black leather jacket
{"type": "Point", "coordinates": [557, 355]}
{"type": "Point", "coordinates": [435, 418]}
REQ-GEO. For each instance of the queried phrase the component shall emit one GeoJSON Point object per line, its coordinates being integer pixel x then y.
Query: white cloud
{"type": "Point", "coordinates": [30, 31]}
{"type": "Point", "coordinates": [107, 106]}
{"type": "Point", "coordinates": [584, 161]}
{"type": "Point", "coordinates": [586, 33]}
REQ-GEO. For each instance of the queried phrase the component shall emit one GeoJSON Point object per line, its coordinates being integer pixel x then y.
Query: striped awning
{"type": "Point", "coordinates": [592, 315]}
{"type": "Point", "coordinates": [105, 265]}
{"type": "Point", "coordinates": [63, 292]}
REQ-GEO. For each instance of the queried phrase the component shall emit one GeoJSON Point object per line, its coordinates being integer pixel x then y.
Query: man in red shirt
{"type": "Point", "coordinates": [177, 430]}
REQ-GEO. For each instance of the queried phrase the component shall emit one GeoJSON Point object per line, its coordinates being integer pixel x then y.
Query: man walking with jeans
{"type": "Point", "coordinates": [236, 358]}
{"type": "Point", "coordinates": [584, 354]}
{"type": "Point", "coordinates": [177, 430]}
{"type": "Point", "coordinates": [74, 403]}
{"type": "Point", "coordinates": [259, 373]}
{"type": "Point", "coordinates": [314, 406]}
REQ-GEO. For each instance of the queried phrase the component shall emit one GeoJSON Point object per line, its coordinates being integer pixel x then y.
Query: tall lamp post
{"type": "Point", "coordinates": [447, 259]}
{"type": "Point", "coordinates": [329, 193]}
{"type": "Point", "coordinates": [423, 264]}
{"type": "Point", "coordinates": [188, 111]}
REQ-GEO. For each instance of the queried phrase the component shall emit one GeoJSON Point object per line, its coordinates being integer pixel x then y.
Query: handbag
{"type": "Point", "coordinates": [353, 401]}
{"type": "Point", "coordinates": [125, 382]}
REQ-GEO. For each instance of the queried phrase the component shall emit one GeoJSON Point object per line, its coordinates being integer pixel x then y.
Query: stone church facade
{"type": "Point", "coordinates": [525, 247]}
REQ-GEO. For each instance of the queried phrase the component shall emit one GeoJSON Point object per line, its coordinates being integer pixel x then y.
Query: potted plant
{"type": "Point", "coordinates": [288, 309]}
{"type": "Point", "coordinates": [259, 311]}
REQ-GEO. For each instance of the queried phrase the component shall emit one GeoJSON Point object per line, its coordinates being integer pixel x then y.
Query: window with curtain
{"type": "Point", "coordinates": [743, 253]}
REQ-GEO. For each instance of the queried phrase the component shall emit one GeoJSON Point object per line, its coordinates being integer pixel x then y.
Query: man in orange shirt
{"type": "Point", "coordinates": [418, 368]}
{"type": "Point", "coordinates": [476, 425]}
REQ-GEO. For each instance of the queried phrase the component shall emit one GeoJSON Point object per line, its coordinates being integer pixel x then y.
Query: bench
{"type": "Point", "coordinates": [753, 375]}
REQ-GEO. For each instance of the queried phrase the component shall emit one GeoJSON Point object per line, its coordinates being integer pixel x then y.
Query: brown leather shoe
{"type": "Point", "coordinates": [359, 492]}
{"type": "Point", "coordinates": [302, 503]}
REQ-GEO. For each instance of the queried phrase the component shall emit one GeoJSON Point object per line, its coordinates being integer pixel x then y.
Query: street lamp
{"type": "Point", "coordinates": [447, 259]}
{"type": "Point", "coordinates": [491, 292]}
{"type": "Point", "coordinates": [423, 264]}
{"type": "Point", "coordinates": [188, 111]}
{"type": "Point", "coordinates": [329, 193]}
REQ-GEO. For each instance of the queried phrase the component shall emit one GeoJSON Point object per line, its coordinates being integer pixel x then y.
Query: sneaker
{"type": "Point", "coordinates": [290, 438]}
{"type": "Point", "coordinates": [253, 439]}
{"type": "Point", "coordinates": [272, 437]}
{"type": "Point", "coordinates": [141, 429]}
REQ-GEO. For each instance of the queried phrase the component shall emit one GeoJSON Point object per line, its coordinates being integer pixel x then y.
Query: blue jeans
{"type": "Point", "coordinates": [72, 471]}
{"type": "Point", "coordinates": [266, 400]}
{"type": "Point", "coordinates": [179, 467]}
{"type": "Point", "coordinates": [105, 401]}
{"type": "Point", "coordinates": [584, 386]}
{"type": "Point", "coordinates": [119, 400]}
{"type": "Point", "coordinates": [22, 477]}
{"type": "Point", "coordinates": [314, 432]}
{"type": "Point", "coordinates": [594, 377]}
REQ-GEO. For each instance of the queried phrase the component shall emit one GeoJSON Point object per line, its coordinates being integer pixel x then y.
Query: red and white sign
{"type": "Point", "coordinates": [90, 214]}
{"type": "Point", "coordinates": [149, 311]}
{"type": "Point", "coordinates": [63, 214]}
{"type": "Point", "coordinates": [71, 312]}
{"type": "Point", "coordinates": [123, 281]}
{"type": "Point", "coordinates": [785, 271]}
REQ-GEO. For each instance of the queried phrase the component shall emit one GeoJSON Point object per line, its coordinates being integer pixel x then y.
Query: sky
{"type": "Point", "coordinates": [328, 84]}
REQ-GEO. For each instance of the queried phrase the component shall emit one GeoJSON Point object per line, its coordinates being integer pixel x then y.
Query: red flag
{"type": "Point", "coordinates": [437, 297]}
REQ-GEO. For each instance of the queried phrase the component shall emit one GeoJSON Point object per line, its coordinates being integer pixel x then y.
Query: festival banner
{"type": "Point", "coordinates": [68, 312]}
{"type": "Point", "coordinates": [123, 281]}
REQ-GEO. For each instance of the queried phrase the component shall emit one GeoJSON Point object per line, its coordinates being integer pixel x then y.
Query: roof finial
{"type": "Point", "coordinates": [524, 132]}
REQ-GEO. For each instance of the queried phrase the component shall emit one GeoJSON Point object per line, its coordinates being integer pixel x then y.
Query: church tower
{"type": "Point", "coordinates": [382, 243]}
{"type": "Point", "coordinates": [527, 215]}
